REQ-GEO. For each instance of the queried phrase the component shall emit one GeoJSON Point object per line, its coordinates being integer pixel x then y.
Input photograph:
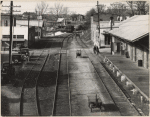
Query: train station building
{"type": "Point", "coordinates": [131, 39]}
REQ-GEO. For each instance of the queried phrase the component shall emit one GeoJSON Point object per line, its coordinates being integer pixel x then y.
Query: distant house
{"type": "Point", "coordinates": [77, 17]}
{"type": "Point", "coordinates": [5, 20]}
{"type": "Point", "coordinates": [131, 39]}
{"type": "Point", "coordinates": [32, 15]}
{"type": "Point", "coordinates": [102, 39]}
{"type": "Point", "coordinates": [49, 25]}
{"type": "Point", "coordinates": [61, 22]}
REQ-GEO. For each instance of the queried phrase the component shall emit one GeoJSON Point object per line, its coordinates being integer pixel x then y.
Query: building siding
{"type": "Point", "coordinates": [139, 54]}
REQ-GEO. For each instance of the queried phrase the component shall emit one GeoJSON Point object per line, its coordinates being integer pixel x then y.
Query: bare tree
{"type": "Point", "coordinates": [142, 7]}
{"type": "Point", "coordinates": [139, 7]}
{"type": "Point", "coordinates": [41, 8]}
{"type": "Point", "coordinates": [88, 14]}
{"type": "Point", "coordinates": [117, 8]}
{"type": "Point", "coordinates": [59, 11]}
{"type": "Point", "coordinates": [130, 3]}
{"type": "Point", "coordinates": [101, 8]}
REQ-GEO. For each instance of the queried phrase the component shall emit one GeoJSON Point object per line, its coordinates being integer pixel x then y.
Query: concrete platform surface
{"type": "Point", "coordinates": [138, 75]}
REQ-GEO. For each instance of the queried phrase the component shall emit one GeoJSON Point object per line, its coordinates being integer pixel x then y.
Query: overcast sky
{"type": "Point", "coordinates": [80, 7]}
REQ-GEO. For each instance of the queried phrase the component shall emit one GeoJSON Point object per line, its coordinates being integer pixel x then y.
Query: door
{"type": "Point", "coordinates": [135, 54]}
{"type": "Point", "coordinates": [118, 47]}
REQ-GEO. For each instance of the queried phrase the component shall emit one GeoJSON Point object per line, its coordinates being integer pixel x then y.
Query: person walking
{"type": "Point", "coordinates": [97, 49]}
{"type": "Point", "coordinates": [94, 49]}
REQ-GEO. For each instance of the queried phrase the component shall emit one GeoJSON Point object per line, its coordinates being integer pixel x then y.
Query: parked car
{"type": "Point", "coordinates": [17, 58]}
{"type": "Point", "coordinates": [25, 51]}
{"type": "Point", "coordinates": [7, 70]}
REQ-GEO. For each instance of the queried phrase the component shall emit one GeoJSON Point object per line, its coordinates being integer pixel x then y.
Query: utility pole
{"type": "Point", "coordinates": [98, 22]}
{"type": "Point", "coordinates": [28, 28]}
{"type": "Point", "coordinates": [38, 29]}
{"type": "Point", "coordinates": [10, 44]}
{"type": "Point", "coordinates": [11, 34]}
{"type": "Point", "coordinates": [98, 17]}
{"type": "Point", "coordinates": [111, 21]}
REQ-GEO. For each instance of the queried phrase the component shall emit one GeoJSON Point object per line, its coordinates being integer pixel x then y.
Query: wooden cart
{"type": "Point", "coordinates": [94, 102]}
{"type": "Point", "coordinates": [78, 53]}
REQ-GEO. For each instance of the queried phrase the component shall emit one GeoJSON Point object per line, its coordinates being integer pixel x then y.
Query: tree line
{"type": "Point", "coordinates": [129, 8]}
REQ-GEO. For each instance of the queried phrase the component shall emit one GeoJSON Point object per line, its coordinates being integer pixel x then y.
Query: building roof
{"type": "Point", "coordinates": [60, 19]}
{"type": "Point", "coordinates": [132, 29]}
{"type": "Point", "coordinates": [31, 23]}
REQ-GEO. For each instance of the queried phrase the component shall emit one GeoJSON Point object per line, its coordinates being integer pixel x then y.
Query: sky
{"type": "Point", "coordinates": [78, 6]}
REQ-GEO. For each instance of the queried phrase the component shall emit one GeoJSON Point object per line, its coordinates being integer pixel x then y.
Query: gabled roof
{"type": "Point", "coordinates": [60, 19]}
{"type": "Point", "coordinates": [31, 23]}
{"type": "Point", "coordinates": [132, 29]}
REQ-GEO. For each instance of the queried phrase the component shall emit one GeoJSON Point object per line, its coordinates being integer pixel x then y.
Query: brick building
{"type": "Point", "coordinates": [131, 39]}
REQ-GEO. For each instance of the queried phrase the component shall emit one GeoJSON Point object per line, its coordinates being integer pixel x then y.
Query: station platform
{"type": "Point", "coordinates": [138, 75]}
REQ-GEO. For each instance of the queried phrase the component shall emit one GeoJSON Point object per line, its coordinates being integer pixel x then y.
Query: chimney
{"type": "Point", "coordinates": [92, 19]}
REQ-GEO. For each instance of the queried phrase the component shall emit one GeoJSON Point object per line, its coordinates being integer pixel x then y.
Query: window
{"type": "Point", "coordinates": [6, 23]}
{"type": "Point", "coordinates": [14, 36]}
{"type": "Point", "coordinates": [6, 36]}
{"type": "Point", "coordinates": [20, 36]}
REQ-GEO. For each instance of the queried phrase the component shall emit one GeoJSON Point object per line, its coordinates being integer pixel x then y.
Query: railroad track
{"type": "Point", "coordinates": [30, 96]}
{"type": "Point", "coordinates": [61, 105]}
{"type": "Point", "coordinates": [110, 85]}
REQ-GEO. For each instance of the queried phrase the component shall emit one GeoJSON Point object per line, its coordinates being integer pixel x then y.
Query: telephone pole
{"type": "Point", "coordinates": [10, 44]}
{"type": "Point", "coordinates": [11, 34]}
{"type": "Point", "coordinates": [28, 28]}
{"type": "Point", "coordinates": [98, 17]}
{"type": "Point", "coordinates": [111, 21]}
{"type": "Point", "coordinates": [98, 22]}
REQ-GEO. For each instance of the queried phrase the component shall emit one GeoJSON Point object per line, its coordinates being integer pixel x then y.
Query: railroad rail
{"type": "Point", "coordinates": [27, 81]}
{"type": "Point", "coordinates": [61, 88]}
{"type": "Point", "coordinates": [29, 92]}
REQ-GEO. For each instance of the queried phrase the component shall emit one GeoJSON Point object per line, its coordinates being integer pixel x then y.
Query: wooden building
{"type": "Point", "coordinates": [131, 39]}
